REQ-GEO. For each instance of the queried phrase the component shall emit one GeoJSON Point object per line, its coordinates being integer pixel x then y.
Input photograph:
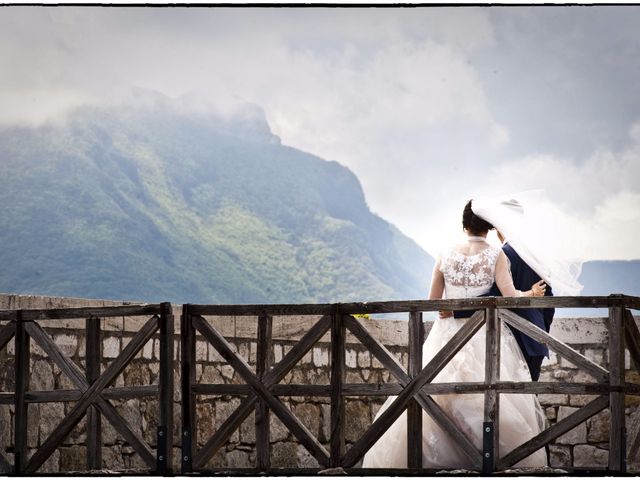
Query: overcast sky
{"type": "Point", "coordinates": [428, 106]}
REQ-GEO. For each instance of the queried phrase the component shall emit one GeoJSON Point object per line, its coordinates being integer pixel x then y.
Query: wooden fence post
{"type": "Point", "coordinates": [263, 354]}
{"type": "Point", "coordinates": [617, 443]}
{"type": "Point", "coordinates": [338, 334]}
{"type": "Point", "coordinates": [414, 411]}
{"type": "Point", "coordinates": [490, 435]}
{"type": "Point", "coordinates": [188, 373]}
{"type": "Point", "coordinates": [93, 356]}
{"type": "Point", "coordinates": [164, 449]}
{"type": "Point", "coordinates": [22, 358]}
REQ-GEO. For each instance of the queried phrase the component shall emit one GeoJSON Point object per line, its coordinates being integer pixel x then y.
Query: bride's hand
{"type": "Point", "coordinates": [538, 289]}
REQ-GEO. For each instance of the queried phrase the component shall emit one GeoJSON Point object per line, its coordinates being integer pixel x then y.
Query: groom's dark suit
{"type": "Point", "coordinates": [523, 278]}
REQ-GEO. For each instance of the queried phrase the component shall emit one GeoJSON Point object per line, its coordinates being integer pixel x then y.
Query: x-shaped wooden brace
{"type": "Point", "coordinates": [6, 334]}
{"type": "Point", "coordinates": [412, 388]}
{"type": "Point", "coordinates": [261, 390]}
{"type": "Point", "coordinates": [91, 394]}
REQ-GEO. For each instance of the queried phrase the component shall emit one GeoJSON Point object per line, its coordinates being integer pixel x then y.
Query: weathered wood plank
{"type": "Point", "coordinates": [188, 379]}
{"type": "Point", "coordinates": [632, 338]}
{"type": "Point", "coordinates": [22, 347]}
{"type": "Point", "coordinates": [411, 305]}
{"type": "Point", "coordinates": [7, 398]}
{"type": "Point", "coordinates": [338, 419]}
{"type": "Point", "coordinates": [6, 333]}
{"type": "Point", "coordinates": [93, 354]}
{"type": "Point", "coordinates": [8, 315]}
{"type": "Point", "coordinates": [617, 446]}
{"type": "Point", "coordinates": [394, 367]}
{"type": "Point", "coordinates": [113, 393]}
{"type": "Point", "coordinates": [276, 374]}
{"type": "Point", "coordinates": [262, 420]}
{"type": "Point", "coordinates": [90, 395]}
{"type": "Point", "coordinates": [166, 388]}
{"type": "Point", "coordinates": [553, 432]}
{"type": "Point", "coordinates": [491, 396]}
{"type": "Point", "coordinates": [440, 359]}
{"type": "Point", "coordinates": [87, 312]}
{"type": "Point", "coordinates": [414, 411]}
{"type": "Point", "coordinates": [595, 370]}
{"type": "Point", "coordinates": [286, 417]}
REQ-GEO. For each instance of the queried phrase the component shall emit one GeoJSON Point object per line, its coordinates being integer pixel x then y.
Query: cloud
{"type": "Point", "coordinates": [428, 106]}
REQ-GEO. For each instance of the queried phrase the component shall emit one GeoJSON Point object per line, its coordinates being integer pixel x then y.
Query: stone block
{"type": "Point", "coordinates": [227, 371]}
{"type": "Point", "coordinates": [253, 353]}
{"type": "Point", "coordinates": [353, 376]}
{"type": "Point", "coordinates": [211, 374]}
{"type": "Point", "coordinates": [550, 413]}
{"type": "Point", "coordinates": [205, 420]}
{"type": "Point", "coordinates": [112, 458]}
{"type": "Point", "coordinates": [595, 355]}
{"type": "Point", "coordinates": [110, 347]}
{"type": "Point", "coordinates": [33, 425]}
{"type": "Point", "coordinates": [560, 457]}
{"type": "Point", "coordinates": [51, 414]}
{"type": "Point", "coordinates": [358, 419]}
{"type": "Point", "coordinates": [73, 459]}
{"type": "Point", "coordinates": [284, 454]}
{"type": "Point", "coordinates": [224, 408]}
{"type": "Point", "coordinates": [553, 399]}
{"type": "Point", "coordinates": [598, 427]}
{"type": "Point", "coordinates": [41, 377]}
{"type": "Point", "coordinates": [551, 361]}
{"type": "Point", "coordinates": [589, 456]}
{"type": "Point", "coordinates": [580, 330]}
{"type": "Point", "coordinates": [214, 356]}
{"type": "Point", "coordinates": [136, 373]}
{"type": "Point", "coordinates": [364, 359]}
{"type": "Point", "coordinates": [68, 344]}
{"type": "Point", "coordinates": [278, 431]}
{"type": "Point", "coordinates": [248, 430]}
{"type": "Point", "coordinates": [309, 415]}
{"type": "Point", "coordinates": [130, 412]}
{"type": "Point", "coordinates": [575, 436]}
{"type": "Point", "coordinates": [238, 459]}
{"type": "Point", "coordinates": [305, 459]}
{"type": "Point", "coordinates": [51, 464]}
{"type": "Point", "coordinates": [201, 351]}
{"type": "Point", "coordinates": [277, 353]}
{"type": "Point", "coordinates": [147, 349]}
{"type": "Point", "coordinates": [325, 423]}
{"type": "Point", "coordinates": [320, 356]}
{"type": "Point", "coordinates": [351, 358]}
{"type": "Point", "coordinates": [580, 400]}
{"type": "Point", "coordinates": [307, 358]}
{"type": "Point", "coordinates": [6, 437]}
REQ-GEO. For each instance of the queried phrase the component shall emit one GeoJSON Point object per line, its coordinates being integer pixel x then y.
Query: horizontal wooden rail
{"type": "Point", "coordinates": [81, 312]}
{"type": "Point", "coordinates": [417, 305]}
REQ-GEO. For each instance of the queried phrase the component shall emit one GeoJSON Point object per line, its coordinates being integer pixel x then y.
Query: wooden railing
{"type": "Point", "coordinates": [413, 387]}
{"type": "Point", "coordinates": [92, 394]}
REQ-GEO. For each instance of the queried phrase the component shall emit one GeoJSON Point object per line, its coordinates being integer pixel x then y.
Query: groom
{"type": "Point", "coordinates": [523, 278]}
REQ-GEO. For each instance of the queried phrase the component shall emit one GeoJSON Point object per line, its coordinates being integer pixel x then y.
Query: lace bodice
{"type": "Point", "coordinates": [468, 275]}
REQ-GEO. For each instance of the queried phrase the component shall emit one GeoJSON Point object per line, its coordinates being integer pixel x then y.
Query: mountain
{"type": "Point", "coordinates": [155, 200]}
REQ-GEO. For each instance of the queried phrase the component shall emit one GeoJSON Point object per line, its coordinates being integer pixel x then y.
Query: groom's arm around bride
{"type": "Point", "coordinates": [523, 277]}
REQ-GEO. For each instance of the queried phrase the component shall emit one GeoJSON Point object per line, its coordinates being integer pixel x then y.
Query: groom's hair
{"type": "Point", "coordinates": [472, 222]}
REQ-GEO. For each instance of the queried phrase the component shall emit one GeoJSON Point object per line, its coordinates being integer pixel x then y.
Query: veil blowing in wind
{"type": "Point", "coordinates": [528, 220]}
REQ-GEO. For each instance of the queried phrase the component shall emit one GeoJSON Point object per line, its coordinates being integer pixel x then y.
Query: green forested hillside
{"type": "Point", "coordinates": [147, 202]}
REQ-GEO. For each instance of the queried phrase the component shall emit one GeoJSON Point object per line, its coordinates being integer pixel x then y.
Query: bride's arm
{"type": "Point", "coordinates": [504, 279]}
{"type": "Point", "coordinates": [437, 289]}
{"type": "Point", "coordinates": [437, 283]}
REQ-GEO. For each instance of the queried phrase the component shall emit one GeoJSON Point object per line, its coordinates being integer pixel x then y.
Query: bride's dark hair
{"type": "Point", "coordinates": [473, 223]}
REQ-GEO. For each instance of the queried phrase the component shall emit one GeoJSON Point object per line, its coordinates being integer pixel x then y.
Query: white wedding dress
{"type": "Point", "coordinates": [521, 417]}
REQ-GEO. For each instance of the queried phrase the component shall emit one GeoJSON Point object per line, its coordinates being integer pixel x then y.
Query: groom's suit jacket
{"type": "Point", "coordinates": [523, 278]}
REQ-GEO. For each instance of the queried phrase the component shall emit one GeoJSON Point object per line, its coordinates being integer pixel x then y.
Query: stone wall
{"type": "Point", "coordinates": [584, 446]}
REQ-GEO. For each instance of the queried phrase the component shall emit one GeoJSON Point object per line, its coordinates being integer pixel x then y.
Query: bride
{"type": "Point", "coordinates": [468, 270]}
